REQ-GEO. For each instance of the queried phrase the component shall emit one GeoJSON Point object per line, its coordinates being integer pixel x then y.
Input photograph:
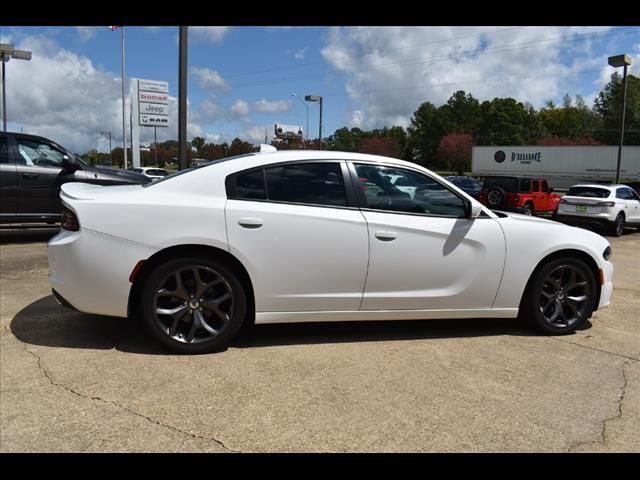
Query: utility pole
{"type": "Point", "coordinates": [124, 115]}
{"type": "Point", "coordinates": [182, 99]}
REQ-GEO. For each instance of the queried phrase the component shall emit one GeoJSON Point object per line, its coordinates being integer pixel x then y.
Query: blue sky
{"type": "Point", "coordinates": [241, 79]}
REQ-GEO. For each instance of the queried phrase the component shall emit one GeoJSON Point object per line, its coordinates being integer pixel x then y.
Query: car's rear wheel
{"type": "Point", "coordinates": [194, 305]}
{"type": "Point", "coordinates": [618, 225]}
{"type": "Point", "coordinates": [560, 296]}
{"type": "Point", "coordinates": [527, 209]}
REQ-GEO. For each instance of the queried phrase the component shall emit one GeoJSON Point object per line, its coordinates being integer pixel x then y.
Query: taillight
{"type": "Point", "coordinates": [606, 204]}
{"type": "Point", "coordinates": [69, 220]}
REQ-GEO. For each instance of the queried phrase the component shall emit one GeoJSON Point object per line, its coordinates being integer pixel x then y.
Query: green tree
{"type": "Point", "coordinates": [504, 121]}
{"type": "Point", "coordinates": [608, 108]}
{"type": "Point", "coordinates": [423, 134]}
{"type": "Point", "coordinates": [573, 121]}
{"type": "Point", "coordinates": [238, 147]}
{"type": "Point", "coordinates": [198, 143]}
{"type": "Point", "coordinates": [461, 113]}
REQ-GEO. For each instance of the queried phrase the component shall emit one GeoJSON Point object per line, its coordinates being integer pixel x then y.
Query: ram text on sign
{"type": "Point", "coordinates": [154, 108]}
{"type": "Point", "coordinates": [153, 97]}
{"type": "Point", "coordinates": [154, 120]}
{"type": "Point", "coordinates": [153, 86]}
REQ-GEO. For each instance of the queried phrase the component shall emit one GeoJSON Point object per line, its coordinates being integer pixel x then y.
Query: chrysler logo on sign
{"type": "Point", "coordinates": [499, 156]}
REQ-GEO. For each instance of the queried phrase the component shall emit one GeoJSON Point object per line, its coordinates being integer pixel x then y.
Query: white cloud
{"type": "Point", "coordinates": [87, 33]}
{"type": "Point", "coordinates": [256, 134]}
{"type": "Point", "coordinates": [240, 108]}
{"type": "Point", "coordinates": [391, 70]}
{"type": "Point", "coordinates": [266, 106]}
{"type": "Point", "coordinates": [209, 79]}
{"type": "Point", "coordinates": [63, 96]}
{"type": "Point", "coordinates": [209, 34]}
{"type": "Point", "coordinates": [299, 55]}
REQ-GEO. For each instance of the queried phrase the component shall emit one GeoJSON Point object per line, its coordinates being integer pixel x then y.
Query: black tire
{"type": "Point", "coordinates": [527, 209]}
{"type": "Point", "coordinates": [194, 327]}
{"type": "Point", "coordinates": [553, 301]}
{"type": "Point", "coordinates": [618, 225]}
{"type": "Point", "coordinates": [496, 197]}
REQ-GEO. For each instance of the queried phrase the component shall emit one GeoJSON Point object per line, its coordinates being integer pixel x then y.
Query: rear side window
{"type": "Point", "coordinates": [312, 183]}
{"type": "Point", "coordinates": [251, 185]}
{"type": "Point", "coordinates": [525, 185]}
{"type": "Point", "coordinates": [4, 149]}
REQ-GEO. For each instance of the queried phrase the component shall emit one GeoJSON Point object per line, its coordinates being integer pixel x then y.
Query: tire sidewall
{"type": "Point", "coordinates": [618, 225]}
{"type": "Point", "coordinates": [221, 341]}
{"type": "Point", "coordinates": [531, 309]}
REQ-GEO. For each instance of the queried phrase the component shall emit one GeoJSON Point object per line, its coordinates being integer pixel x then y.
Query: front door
{"type": "Point", "coordinates": [425, 253]}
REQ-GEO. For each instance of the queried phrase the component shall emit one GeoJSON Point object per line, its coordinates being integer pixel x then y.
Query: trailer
{"type": "Point", "coordinates": [561, 166]}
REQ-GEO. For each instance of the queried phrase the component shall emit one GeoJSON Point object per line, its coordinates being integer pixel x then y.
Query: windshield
{"type": "Point", "coordinates": [196, 167]}
{"type": "Point", "coordinates": [593, 192]}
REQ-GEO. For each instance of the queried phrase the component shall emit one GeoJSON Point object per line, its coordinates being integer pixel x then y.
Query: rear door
{"type": "Point", "coordinates": [299, 233]}
{"type": "Point", "coordinates": [8, 179]}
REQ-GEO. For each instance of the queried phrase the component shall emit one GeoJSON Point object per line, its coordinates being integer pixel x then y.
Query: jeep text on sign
{"type": "Point", "coordinates": [154, 108]}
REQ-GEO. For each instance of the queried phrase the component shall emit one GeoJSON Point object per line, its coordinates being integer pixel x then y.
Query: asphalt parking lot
{"type": "Point", "coordinates": [72, 382]}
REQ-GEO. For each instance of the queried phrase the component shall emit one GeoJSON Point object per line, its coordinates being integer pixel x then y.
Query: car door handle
{"type": "Point", "coordinates": [30, 175]}
{"type": "Point", "coordinates": [385, 235]}
{"type": "Point", "coordinates": [250, 222]}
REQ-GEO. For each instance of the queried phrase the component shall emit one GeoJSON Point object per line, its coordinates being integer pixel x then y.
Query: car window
{"type": "Point", "coordinates": [418, 194]}
{"type": "Point", "coordinates": [627, 194]}
{"type": "Point", "coordinates": [525, 185]}
{"type": "Point", "coordinates": [544, 186]}
{"type": "Point", "coordinates": [593, 192]}
{"type": "Point", "coordinates": [509, 184]}
{"type": "Point", "coordinates": [251, 185]}
{"type": "Point", "coordinates": [312, 183]}
{"type": "Point", "coordinates": [621, 194]}
{"type": "Point", "coordinates": [4, 149]}
{"type": "Point", "coordinates": [157, 172]}
{"type": "Point", "coordinates": [39, 154]}
{"type": "Point", "coordinates": [634, 195]}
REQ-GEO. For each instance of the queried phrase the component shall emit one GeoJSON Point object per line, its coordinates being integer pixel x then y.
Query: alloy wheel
{"type": "Point", "coordinates": [193, 304]}
{"type": "Point", "coordinates": [564, 297]}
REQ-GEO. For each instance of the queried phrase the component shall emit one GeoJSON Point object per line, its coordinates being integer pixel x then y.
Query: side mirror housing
{"type": "Point", "coordinates": [474, 209]}
{"type": "Point", "coordinates": [68, 164]}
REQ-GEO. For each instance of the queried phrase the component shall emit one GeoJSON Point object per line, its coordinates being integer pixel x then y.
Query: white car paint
{"type": "Point", "coordinates": [310, 263]}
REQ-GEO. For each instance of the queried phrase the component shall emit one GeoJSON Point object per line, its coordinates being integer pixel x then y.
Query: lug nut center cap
{"type": "Point", "coordinates": [193, 304]}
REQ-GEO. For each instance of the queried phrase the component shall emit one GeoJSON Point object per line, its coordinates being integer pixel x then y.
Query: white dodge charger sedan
{"type": "Point", "coordinates": [302, 236]}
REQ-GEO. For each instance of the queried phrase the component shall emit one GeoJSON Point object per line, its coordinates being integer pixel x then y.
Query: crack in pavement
{"type": "Point", "coordinates": [74, 392]}
{"type": "Point", "coordinates": [603, 433]}
{"type": "Point", "coordinates": [626, 357]}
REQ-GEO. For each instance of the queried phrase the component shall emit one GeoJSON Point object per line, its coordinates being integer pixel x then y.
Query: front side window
{"type": "Point", "coordinates": [415, 193]}
{"type": "Point", "coordinates": [311, 183]}
{"type": "Point", "coordinates": [525, 185]}
{"type": "Point", "coordinates": [4, 149]}
{"type": "Point", "coordinates": [39, 154]}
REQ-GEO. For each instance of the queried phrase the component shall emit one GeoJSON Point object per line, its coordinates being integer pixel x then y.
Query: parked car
{"type": "Point", "coordinates": [611, 207]}
{"type": "Point", "coordinates": [470, 185]}
{"type": "Point", "coordinates": [153, 173]}
{"type": "Point", "coordinates": [305, 236]}
{"type": "Point", "coordinates": [33, 168]}
{"type": "Point", "coordinates": [519, 194]}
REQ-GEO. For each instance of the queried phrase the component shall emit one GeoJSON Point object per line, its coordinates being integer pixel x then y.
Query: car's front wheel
{"type": "Point", "coordinates": [194, 305]}
{"type": "Point", "coordinates": [560, 296]}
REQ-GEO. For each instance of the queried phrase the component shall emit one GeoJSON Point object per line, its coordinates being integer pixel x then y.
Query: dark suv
{"type": "Point", "coordinates": [33, 168]}
{"type": "Point", "coordinates": [519, 194]}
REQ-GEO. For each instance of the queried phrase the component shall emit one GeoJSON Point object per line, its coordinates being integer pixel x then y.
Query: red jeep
{"type": "Point", "coordinates": [519, 194]}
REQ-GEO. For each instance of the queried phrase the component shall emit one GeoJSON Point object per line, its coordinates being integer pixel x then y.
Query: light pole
{"type": "Point", "coordinates": [317, 98]}
{"type": "Point", "coordinates": [307, 107]}
{"type": "Point", "coordinates": [621, 61]}
{"type": "Point", "coordinates": [7, 52]}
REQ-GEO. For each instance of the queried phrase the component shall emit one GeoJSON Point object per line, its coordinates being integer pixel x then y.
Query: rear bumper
{"type": "Point", "coordinates": [89, 271]}
{"type": "Point", "coordinates": [579, 220]}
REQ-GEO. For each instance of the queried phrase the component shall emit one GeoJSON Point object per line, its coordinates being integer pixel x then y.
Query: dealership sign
{"type": "Point", "coordinates": [153, 103]}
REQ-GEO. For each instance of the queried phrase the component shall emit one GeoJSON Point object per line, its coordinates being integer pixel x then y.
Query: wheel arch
{"type": "Point", "coordinates": [571, 253]}
{"type": "Point", "coordinates": [177, 251]}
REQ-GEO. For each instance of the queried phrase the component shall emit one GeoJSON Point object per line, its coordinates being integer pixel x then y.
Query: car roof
{"type": "Point", "coordinates": [596, 185]}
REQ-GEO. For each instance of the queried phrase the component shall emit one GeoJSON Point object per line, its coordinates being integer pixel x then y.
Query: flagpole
{"type": "Point", "coordinates": [124, 118]}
